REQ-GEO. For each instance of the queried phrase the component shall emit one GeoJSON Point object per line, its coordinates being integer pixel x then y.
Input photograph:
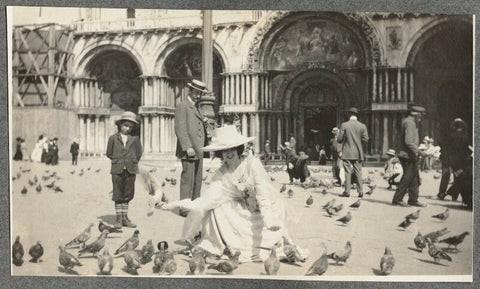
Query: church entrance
{"type": "Point", "coordinates": [319, 122]}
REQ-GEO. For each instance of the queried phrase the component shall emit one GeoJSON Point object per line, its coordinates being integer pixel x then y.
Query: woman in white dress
{"type": "Point", "coordinates": [37, 151]}
{"type": "Point", "coordinates": [240, 210]}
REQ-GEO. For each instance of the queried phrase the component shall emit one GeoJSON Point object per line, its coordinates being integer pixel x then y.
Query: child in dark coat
{"type": "Point", "coordinates": [125, 152]}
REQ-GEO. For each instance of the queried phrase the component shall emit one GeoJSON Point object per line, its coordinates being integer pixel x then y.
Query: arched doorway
{"type": "Point", "coordinates": [443, 63]}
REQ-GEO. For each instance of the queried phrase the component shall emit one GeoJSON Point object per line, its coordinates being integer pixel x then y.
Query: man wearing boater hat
{"type": "Point", "coordinates": [408, 154]}
{"type": "Point", "coordinates": [190, 132]}
{"type": "Point", "coordinates": [352, 135]}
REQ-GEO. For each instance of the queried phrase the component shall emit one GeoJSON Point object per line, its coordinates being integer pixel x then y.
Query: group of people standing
{"type": "Point", "coordinates": [45, 151]}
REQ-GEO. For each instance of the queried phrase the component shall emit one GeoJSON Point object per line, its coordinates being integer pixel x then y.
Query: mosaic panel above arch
{"type": "Point", "coordinates": [314, 41]}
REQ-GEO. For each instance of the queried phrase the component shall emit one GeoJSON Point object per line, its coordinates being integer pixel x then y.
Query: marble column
{"type": "Point", "coordinates": [279, 130]}
{"type": "Point", "coordinates": [244, 124]}
{"type": "Point", "coordinates": [155, 131]}
{"type": "Point", "coordinates": [82, 140]}
{"type": "Point", "coordinates": [257, 132]}
{"type": "Point", "coordinates": [385, 134]}
{"type": "Point", "coordinates": [88, 147]}
{"type": "Point", "coordinates": [97, 128]}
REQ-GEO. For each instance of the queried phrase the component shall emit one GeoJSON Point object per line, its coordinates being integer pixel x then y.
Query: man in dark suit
{"type": "Point", "coordinates": [190, 132]}
{"type": "Point", "coordinates": [352, 135]}
{"type": "Point", "coordinates": [408, 154]}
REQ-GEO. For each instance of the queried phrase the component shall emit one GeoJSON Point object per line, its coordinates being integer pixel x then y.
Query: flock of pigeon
{"type": "Point", "coordinates": [164, 261]}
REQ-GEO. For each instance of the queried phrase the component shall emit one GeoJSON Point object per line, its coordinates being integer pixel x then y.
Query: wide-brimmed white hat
{"type": "Point", "coordinates": [226, 137]}
{"type": "Point", "coordinates": [129, 116]}
{"type": "Point", "coordinates": [390, 152]}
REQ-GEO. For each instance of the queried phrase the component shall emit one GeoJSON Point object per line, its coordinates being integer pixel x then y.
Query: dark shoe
{"type": "Point", "coordinates": [127, 223]}
{"type": "Point", "coordinates": [401, 204]}
{"type": "Point", "coordinates": [441, 196]}
{"type": "Point", "coordinates": [345, 194]}
{"type": "Point", "coordinates": [360, 195]}
{"type": "Point", "coordinates": [417, 204]}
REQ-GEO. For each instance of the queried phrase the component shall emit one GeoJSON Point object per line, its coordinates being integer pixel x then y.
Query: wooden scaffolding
{"type": "Point", "coordinates": [41, 60]}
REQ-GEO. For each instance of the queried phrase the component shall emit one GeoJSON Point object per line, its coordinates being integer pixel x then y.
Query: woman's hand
{"type": "Point", "coordinates": [274, 228]}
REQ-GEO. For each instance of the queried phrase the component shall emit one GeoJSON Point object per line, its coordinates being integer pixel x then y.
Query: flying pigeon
{"type": "Point", "coordinates": [272, 264]}
{"type": "Point", "coordinates": [420, 242]}
{"type": "Point", "coordinates": [345, 219]}
{"type": "Point", "coordinates": [455, 240]}
{"type": "Point", "coordinates": [227, 266]}
{"type": "Point", "coordinates": [309, 201]}
{"type": "Point", "coordinates": [36, 251]}
{"type": "Point", "coordinates": [81, 238]}
{"type": "Point", "coordinates": [17, 252]}
{"type": "Point", "coordinates": [436, 253]}
{"type": "Point", "coordinates": [405, 224]}
{"type": "Point", "coordinates": [131, 258]}
{"type": "Point", "coordinates": [133, 240]}
{"type": "Point", "coordinates": [387, 262]}
{"type": "Point", "coordinates": [413, 216]}
{"type": "Point", "coordinates": [147, 252]}
{"type": "Point", "coordinates": [442, 216]}
{"type": "Point", "coordinates": [105, 262]}
{"type": "Point", "coordinates": [355, 205]}
{"type": "Point", "coordinates": [67, 260]}
{"type": "Point", "coordinates": [342, 255]}
{"type": "Point", "coordinates": [95, 246]}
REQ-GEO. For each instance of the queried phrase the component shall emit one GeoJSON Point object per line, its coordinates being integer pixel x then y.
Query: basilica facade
{"type": "Point", "coordinates": [281, 73]}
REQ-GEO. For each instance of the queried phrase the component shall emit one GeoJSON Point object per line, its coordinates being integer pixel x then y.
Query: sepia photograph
{"type": "Point", "coordinates": [259, 144]}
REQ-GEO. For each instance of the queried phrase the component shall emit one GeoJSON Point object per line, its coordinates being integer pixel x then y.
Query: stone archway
{"type": "Point", "coordinates": [442, 59]}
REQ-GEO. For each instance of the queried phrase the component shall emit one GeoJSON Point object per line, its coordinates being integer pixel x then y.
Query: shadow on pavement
{"type": "Point", "coordinates": [415, 249]}
{"type": "Point", "coordinates": [67, 271]}
{"type": "Point", "coordinates": [431, 262]}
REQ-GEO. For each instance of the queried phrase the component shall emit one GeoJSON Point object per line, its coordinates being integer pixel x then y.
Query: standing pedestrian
{"type": "Point", "coordinates": [408, 154]}
{"type": "Point", "coordinates": [55, 152]}
{"type": "Point", "coordinates": [190, 132]}
{"type": "Point", "coordinates": [336, 149]}
{"type": "Point", "coordinates": [45, 150]}
{"type": "Point", "coordinates": [23, 147]}
{"type": "Point", "coordinates": [290, 159]}
{"type": "Point", "coordinates": [74, 147]}
{"type": "Point", "coordinates": [18, 150]}
{"type": "Point", "coordinates": [124, 151]}
{"type": "Point", "coordinates": [37, 151]}
{"type": "Point", "coordinates": [50, 152]}
{"type": "Point", "coordinates": [267, 151]}
{"type": "Point", "coordinates": [352, 135]}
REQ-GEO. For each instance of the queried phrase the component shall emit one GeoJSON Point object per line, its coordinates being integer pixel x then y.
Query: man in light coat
{"type": "Point", "coordinates": [352, 135]}
{"type": "Point", "coordinates": [191, 136]}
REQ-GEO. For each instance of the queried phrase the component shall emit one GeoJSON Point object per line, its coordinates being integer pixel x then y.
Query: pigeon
{"type": "Point", "coordinates": [173, 170]}
{"type": "Point", "coordinates": [97, 170]}
{"type": "Point", "coordinates": [24, 190]}
{"type": "Point", "coordinates": [147, 252]}
{"type": "Point", "coordinates": [283, 188]}
{"type": "Point", "coordinates": [67, 260]}
{"type": "Point", "coordinates": [105, 262]}
{"type": "Point", "coordinates": [72, 172]}
{"type": "Point", "coordinates": [81, 238]}
{"type": "Point", "coordinates": [169, 266]}
{"type": "Point", "coordinates": [197, 263]}
{"type": "Point", "coordinates": [330, 211]}
{"type": "Point", "coordinates": [370, 192]}
{"type": "Point", "coordinates": [324, 192]}
{"type": "Point", "coordinates": [57, 189]}
{"type": "Point", "coordinates": [290, 193]}
{"type": "Point", "coordinates": [405, 224]}
{"type": "Point", "coordinates": [342, 255]}
{"type": "Point", "coordinates": [355, 205]}
{"type": "Point", "coordinates": [292, 255]}
{"type": "Point", "coordinates": [309, 201]}
{"type": "Point", "coordinates": [95, 246]}
{"type": "Point", "coordinates": [455, 240]}
{"type": "Point", "coordinates": [35, 179]}
{"type": "Point", "coordinates": [17, 252]}
{"type": "Point", "coordinates": [272, 179]}
{"type": "Point", "coordinates": [19, 175]}
{"type": "Point", "coordinates": [36, 251]}
{"type": "Point", "coordinates": [413, 216]}
{"type": "Point", "coordinates": [345, 219]}
{"type": "Point", "coordinates": [167, 179]}
{"type": "Point", "coordinates": [39, 188]}
{"type": "Point", "coordinates": [272, 264]}
{"type": "Point", "coordinates": [88, 168]}
{"type": "Point", "coordinates": [435, 253]}
{"type": "Point", "coordinates": [338, 208]}
{"type": "Point", "coordinates": [45, 178]}
{"type": "Point", "coordinates": [173, 182]}
{"type": "Point", "coordinates": [420, 242]}
{"type": "Point", "coordinates": [433, 236]}
{"type": "Point", "coordinates": [320, 266]}
{"type": "Point", "coordinates": [227, 266]}
{"type": "Point", "coordinates": [161, 257]}
{"type": "Point", "coordinates": [30, 182]}
{"type": "Point", "coordinates": [329, 204]}
{"type": "Point", "coordinates": [14, 178]}
{"type": "Point", "coordinates": [442, 216]}
{"type": "Point", "coordinates": [51, 185]}
{"type": "Point", "coordinates": [111, 229]}
{"type": "Point", "coordinates": [133, 240]}
{"type": "Point", "coordinates": [131, 258]}
{"type": "Point", "coordinates": [387, 262]}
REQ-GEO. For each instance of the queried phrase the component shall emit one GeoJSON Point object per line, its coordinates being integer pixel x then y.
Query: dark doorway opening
{"type": "Point", "coordinates": [319, 122]}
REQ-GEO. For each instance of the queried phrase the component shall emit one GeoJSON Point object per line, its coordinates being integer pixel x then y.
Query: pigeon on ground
{"type": "Point", "coordinates": [81, 238]}
{"type": "Point", "coordinates": [197, 263]}
{"type": "Point", "coordinates": [420, 242]}
{"type": "Point", "coordinates": [131, 258]}
{"type": "Point", "coordinates": [24, 190]}
{"type": "Point", "coordinates": [330, 211]}
{"type": "Point", "coordinates": [30, 182]}
{"type": "Point", "coordinates": [57, 189]}
{"type": "Point", "coordinates": [67, 260]}
{"type": "Point", "coordinates": [36, 251]}
{"type": "Point", "coordinates": [369, 192]}
{"type": "Point", "coordinates": [227, 266]}
{"type": "Point", "coordinates": [17, 252]}
{"type": "Point", "coordinates": [329, 204]}
{"type": "Point", "coordinates": [35, 179]}
{"type": "Point", "coordinates": [413, 216]}
{"type": "Point", "coordinates": [345, 219]}
{"type": "Point", "coordinates": [320, 266]}
{"type": "Point", "coordinates": [387, 262]}
{"type": "Point", "coordinates": [133, 240]}
{"type": "Point", "coordinates": [19, 175]}
{"type": "Point", "coordinates": [147, 252]}
{"type": "Point", "coordinates": [338, 208]}
{"type": "Point", "coordinates": [442, 216]}
{"type": "Point", "coordinates": [111, 229]}
{"type": "Point", "coordinates": [173, 170]}
{"type": "Point", "coordinates": [435, 253]}
{"type": "Point", "coordinates": [39, 188]}
{"type": "Point", "coordinates": [342, 255]}
{"type": "Point", "coordinates": [355, 205]}
{"type": "Point", "coordinates": [324, 192]}
{"type": "Point", "coordinates": [97, 170]}
{"type": "Point", "coordinates": [105, 262]}
{"type": "Point", "coordinates": [95, 246]}
{"type": "Point", "coordinates": [433, 236]}
{"type": "Point", "coordinates": [290, 193]}
{"type": "Point", "coordinates": [161, 257]}
{"type": "Point", "coordinates": [72, 172]}
{"type": "Point", "coordinates": [272, 264]}
{"type": "Point", "coordinates": [173, 182]}
{"type": "Point", "coordinates": [455, 240]}
{"type": "Point", "coordinates": [405, 224]}
{"type": "Point", "coordinates": [88, 168]}
{"type": "Point", "coordinates": [292, 255]}
{"type": "Point", "coordinates": [169, 266]}
{"type": "Point", "coordinates": [309, 201]}
{"type": "Point", "coordinates": [272, 179]}
{"type": "Point", "coordinates": [51, 185]}
{"type": "Point", "coordinates": [283, 188]}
